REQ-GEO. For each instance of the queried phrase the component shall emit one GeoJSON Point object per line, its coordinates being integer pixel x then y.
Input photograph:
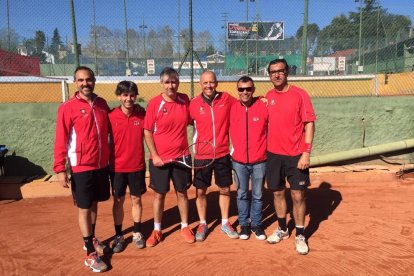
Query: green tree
{"type": "Point", "coordinates": [312, 34]}
{"type": "Point", "coordinates": [313, 31]}
{"type": "Point", "coordinates": [39, 43]}
{"type": "Point", "coordinates": [56, 44]}
{"type": "Point", "coordinates": [341, 34]}
{"type": "Point", "coordinates": [210, 50]}
{"type": "Point", "coordinates": [377, 24]}
{"type": "Point", "coordinates": [29, 44]}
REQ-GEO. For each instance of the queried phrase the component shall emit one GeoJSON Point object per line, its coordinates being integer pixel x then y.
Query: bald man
{"type": "Point", "coordinates": [210, 112]}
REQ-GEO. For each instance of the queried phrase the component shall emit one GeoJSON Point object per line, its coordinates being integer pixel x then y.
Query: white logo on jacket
{"type": "Point", "coordinates": [201, 110]}
{"type": "Point", "coordinates": [83, 112]}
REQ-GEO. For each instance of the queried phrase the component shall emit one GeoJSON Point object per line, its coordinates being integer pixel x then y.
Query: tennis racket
{"type": "Point", "coordinates": [201, 148]}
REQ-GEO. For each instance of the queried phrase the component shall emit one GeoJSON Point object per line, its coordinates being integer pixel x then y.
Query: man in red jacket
{"type": "Point", "coordinates": [127, 161]}
{"type": "Point", "coordinates": [210, 113]}
{"type": "Point", "coordinates": [290, 134]}
{"type": "Point", "coordinates": [248, 125]}
{"type": "Point", "coordinates": [82, 141]}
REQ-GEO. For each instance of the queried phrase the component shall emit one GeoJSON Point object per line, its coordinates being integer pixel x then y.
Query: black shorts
{"type": "Point", "coordinates": [134, 180]}
{"type": "Point", "coordinates": [90, 186]}
{"type": "Point", "coordinates": [282, 167]}
{"type": "Point", "coordinates": [160, 177]}
{"type": "Point", "coordinates": [222, 173]}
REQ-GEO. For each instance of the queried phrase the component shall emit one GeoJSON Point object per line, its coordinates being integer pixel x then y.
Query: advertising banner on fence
{"type": "Point", "coordinates": [255, 30]}
{"type": "Point", "coordinates": [150, 66]}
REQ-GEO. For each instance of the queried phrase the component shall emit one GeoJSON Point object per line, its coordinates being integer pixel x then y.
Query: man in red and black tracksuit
{"type": "Point", "coordinates": [290, 134]}
{"type": "Point", "coordinates": [210, 114]}
{"type": "Point", "coordinates": [248, 126]}
{"type": "Point", "coordinates": [82, 141]}
{"type": "Point", "coordinates": [127, 162]}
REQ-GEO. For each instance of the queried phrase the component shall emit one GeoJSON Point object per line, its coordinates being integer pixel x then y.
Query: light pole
{"type": "Point", "coordinates": [247, 7]}
{"type": "Point", "coordinates": [179, 29]}
{"type": "Point", "coordinates": [190, 13]}
{"type": "Point", "coordinates": [143, 27]}
{"type": "Point", "coordinates": [94, 38]}
{"type": "Point", "coordinates": [8, 27]}
{"type": "Point", "coordinates": [225, 15]}
{"type": "Point", "coordinates": [257, 38]}
{"type": "Point", "coordinates": [360, 37]}
{"type": "Point", "coordinates": [376, 43]}
{"type": "Point", "coordinates": [247, 39]}
{"type": "Point", "coordinates": [75, 36]}
{"type": "Point", "coordinates": [305, 38]}
{"type": "Point", "coordinates": [128, 64]}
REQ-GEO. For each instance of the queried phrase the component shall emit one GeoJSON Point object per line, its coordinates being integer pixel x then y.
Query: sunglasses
{"type": "Point", "coordinates": [278, 72]}
{"type": "Point", "coordinates": [247, 89]}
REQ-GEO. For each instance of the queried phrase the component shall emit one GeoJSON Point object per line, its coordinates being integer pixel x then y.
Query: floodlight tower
{"type": "Point", "coordinates": [128, 64]}
{"type": "Point", "coordinates": [247, 41]}
{"type": "Point", "coordinates": [75, 36]}
{"type": "Point", "coordinates": [305, 38]}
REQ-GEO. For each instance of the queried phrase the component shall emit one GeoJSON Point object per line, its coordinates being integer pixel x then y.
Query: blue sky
{"type": "Point", "coordinates": [28, 16]}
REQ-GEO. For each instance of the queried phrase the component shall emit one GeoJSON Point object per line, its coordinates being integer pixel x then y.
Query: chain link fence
{"type": "Point", "coordinates": [372, 40]}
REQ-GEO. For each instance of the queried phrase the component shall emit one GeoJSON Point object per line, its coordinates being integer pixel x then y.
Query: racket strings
{"type": "Point", "coordinates": [200, 149]}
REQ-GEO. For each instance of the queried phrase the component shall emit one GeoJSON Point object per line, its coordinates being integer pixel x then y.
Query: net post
{"type": "Point", "coordinates": [64, 89]}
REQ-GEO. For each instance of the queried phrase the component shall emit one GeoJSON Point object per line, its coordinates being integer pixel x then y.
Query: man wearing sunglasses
{"type": "Point", "coordinates": [248, 125]}
{"type": "Point", "coordinates": [290, 134]}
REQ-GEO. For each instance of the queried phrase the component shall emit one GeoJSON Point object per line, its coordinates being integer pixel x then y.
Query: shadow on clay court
{"type": "Point", "coordinates": [21, 166]}
{"type": "Point", "coordinates": [15, 172]}
{"type": "Point", "coordinates": [321, 202]}
{"type": "Point", "coordinates": [171, 217]}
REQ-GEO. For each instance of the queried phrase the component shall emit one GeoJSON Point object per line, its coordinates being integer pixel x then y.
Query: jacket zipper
{"type": "Point", "coordinates": [98, 132]}
{"type": "Point", "coordinates": [247, 135]}
{"type": "Point", "coordinates": [212, 121]}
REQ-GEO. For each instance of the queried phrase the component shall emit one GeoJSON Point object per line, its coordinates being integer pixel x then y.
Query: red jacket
{"type": "Point", "coordinates": [211, 123]}
{"type": "Point", "coordinates": [128, 145]}
{"type": "Point", "coordinates": [248, 127]}
{"type": "Point", "coordinates": [81, 135]}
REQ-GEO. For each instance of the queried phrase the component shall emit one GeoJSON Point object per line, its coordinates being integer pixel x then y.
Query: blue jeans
{"type": "Point", "coordinates": [242, 175]}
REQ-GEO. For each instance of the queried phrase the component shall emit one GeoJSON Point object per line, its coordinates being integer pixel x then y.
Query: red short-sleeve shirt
{"type": "Point", "coordinates": [288, 113]}
{"type": "Point", "coordinates": [168, 123]}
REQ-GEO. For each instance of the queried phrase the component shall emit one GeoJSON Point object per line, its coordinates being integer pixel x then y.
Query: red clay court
{"type": "Point", "coordinates": [359, 223]}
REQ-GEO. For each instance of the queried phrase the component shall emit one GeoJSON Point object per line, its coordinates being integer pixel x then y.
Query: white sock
{"type": "Point", "coordinates": [203, 222]}
{"type": "Point", "coordinates": [184, 225]}
{"type": "Point", "coordinates": [224, 221]}
{"type": "Point", "coordinates": [157, 226]}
